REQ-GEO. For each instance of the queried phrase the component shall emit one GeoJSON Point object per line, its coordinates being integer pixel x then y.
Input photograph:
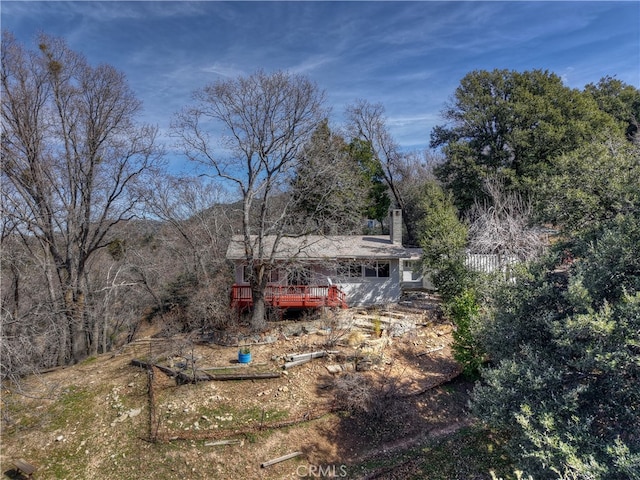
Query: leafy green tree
{"type": "Point", "coordinates": [621, 101]}
{"type": "Point", "coordinates": [591, 186]}
{"type": "Point", "coordinates": [378, 201]}
{"type": "Point", "coordinates": [564, 341]}
{"type": "Point", "coordinates": [443, 239]}
{"type": "Point", "coordinates": [511, 124]}
{"type": "Point", "coordinates": [464, 309]}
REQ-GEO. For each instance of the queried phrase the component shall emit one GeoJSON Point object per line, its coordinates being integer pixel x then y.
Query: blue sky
{"type": "Point", "coordinates": [409, 56]}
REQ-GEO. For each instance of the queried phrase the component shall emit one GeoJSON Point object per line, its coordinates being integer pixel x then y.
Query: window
{"type": "Point", "coordinates": [377, 269]}
{"type": "Point", "coordinates": [246, 274]}
{"type": "Point", "coordinates": [410, 265]}
{"type": "Point", "coordinates": [349, 269]}
{"type": "Point", "coordinates": [274, 275]}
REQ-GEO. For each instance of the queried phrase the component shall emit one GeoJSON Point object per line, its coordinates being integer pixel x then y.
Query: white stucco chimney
{"type": "Point", "coordinates": [395, 226]}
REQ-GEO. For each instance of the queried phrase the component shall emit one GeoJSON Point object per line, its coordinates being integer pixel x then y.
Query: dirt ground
{"type": "Point", "coordinates": [395, 386]}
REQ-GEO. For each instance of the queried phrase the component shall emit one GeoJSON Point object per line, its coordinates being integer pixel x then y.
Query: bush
{"type": "Point", "coordinates": [463, 310]}
{"type": "Point", "coordinates": [564, 344]}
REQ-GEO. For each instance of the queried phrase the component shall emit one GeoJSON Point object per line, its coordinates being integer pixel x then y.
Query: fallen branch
{"type": "Point", "coordinates": [280, 459]}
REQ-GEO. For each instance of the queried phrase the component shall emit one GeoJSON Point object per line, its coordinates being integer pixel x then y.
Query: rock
{"type": "Point", "coordinates": [134, 412]}
{"type": "Point", "coordinates": [59, 438]}
{"type": "Point", "coordinates": [334, 368]}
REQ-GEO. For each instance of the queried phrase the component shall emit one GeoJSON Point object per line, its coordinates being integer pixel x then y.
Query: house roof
{"type": "Point", "coordinates": [317, 247]}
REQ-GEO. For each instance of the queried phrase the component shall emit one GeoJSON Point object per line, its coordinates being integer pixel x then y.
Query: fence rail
{"type": "Point", "coordinates": [291, 296]}
{"type": "Point", "coordinates": [491, 262]}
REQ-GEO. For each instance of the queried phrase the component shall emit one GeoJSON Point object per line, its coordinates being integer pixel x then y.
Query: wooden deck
{"type": "Point", "coordinates": [291, 296]}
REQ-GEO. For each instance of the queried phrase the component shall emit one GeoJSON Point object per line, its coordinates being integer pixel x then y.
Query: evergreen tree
{"type": "Point", "coordinates": [564, 343]}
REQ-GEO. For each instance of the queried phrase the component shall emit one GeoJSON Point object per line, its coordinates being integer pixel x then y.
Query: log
{"type": "Point", "coordinates": [295, 363]}
{"type": "Point", "coordinates": [280, 459]}
{"type": "Point", "coordinates": [309, 355]}
{"type": "Point", "coordinates": [232, 367]}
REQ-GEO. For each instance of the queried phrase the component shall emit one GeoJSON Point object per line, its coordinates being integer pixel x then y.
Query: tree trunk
{"type": "Point", "coordinates": [258, 322]}
{"type": "Point", "coordinates": [74, 304]}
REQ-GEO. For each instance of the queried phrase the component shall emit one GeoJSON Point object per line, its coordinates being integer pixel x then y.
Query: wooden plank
{"type": "Point", "coordinates": [184, 378]}
{"type": "Point", "coordinates": [224, 442]}
{"type": "Point", "coordinates": [139, 363]}
{"type": "Point", "coordinates": [245, 376]}
{"type": "Point", "coordinates": [295, 363]}
{"type": "Point", "coordinates": [309, 355]}
{"type": "Point", "coordinates": [280, 459]}
{"type": "Point", "coordinates": [25, 467]}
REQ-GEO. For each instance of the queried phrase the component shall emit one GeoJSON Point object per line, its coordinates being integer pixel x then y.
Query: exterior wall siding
{"type": "Point", "coordinates": [360, 291]}
{"type": "Point", "coordinates": [366, 291]}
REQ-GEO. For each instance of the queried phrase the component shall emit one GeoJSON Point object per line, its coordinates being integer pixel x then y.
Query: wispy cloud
{"type": "Point", "coordinates": [224, 70]}
{"type": "Point", "coordinates": [408, 55]}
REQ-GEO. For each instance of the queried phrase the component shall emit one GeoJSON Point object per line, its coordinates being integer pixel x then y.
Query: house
{"type": "Point", "coordinates": [337, 271]}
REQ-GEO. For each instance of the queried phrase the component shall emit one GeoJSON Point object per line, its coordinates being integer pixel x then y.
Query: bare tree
{"type": "Point", "coordinates": [72, 155]}
{"type": "Point", "coordinates": [192, 207]}
{"type": "Point", "coordinates": [267, 120]}
{"type": "Point", "coordinates": [197, 230]}
{"type": "Point", "coordinates": [414, 171]}
{"type": "Point", "coordinates": [502, 225]}
{"type": "Point", "coordinates": [367, 121]}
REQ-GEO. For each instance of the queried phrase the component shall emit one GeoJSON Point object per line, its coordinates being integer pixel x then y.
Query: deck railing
{"type": "Point", "coordinates": [291, 296]}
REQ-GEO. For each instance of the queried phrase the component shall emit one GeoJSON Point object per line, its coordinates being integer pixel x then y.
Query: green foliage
{"type": "Point", "coordinates": [378, 201]}
{"type": "Point", "coordinates": [463, 310]}
{"type": "Point", "coordinates": [443, 238]}
{"type": "Point", "coordinates": [328, 191]}
{"type": "Point", "coordinates": [564, 343]}
{"type": "Point", "coordinates": [512, 124]}
{"type": "Point", "coordinates": [591, 186]}
{"type": "Point", "coordinates": [619, 100]}
{"type": "Point", "coordinates": [611, 266]}
{"type": "Point", "coordinates": [117, 249]}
